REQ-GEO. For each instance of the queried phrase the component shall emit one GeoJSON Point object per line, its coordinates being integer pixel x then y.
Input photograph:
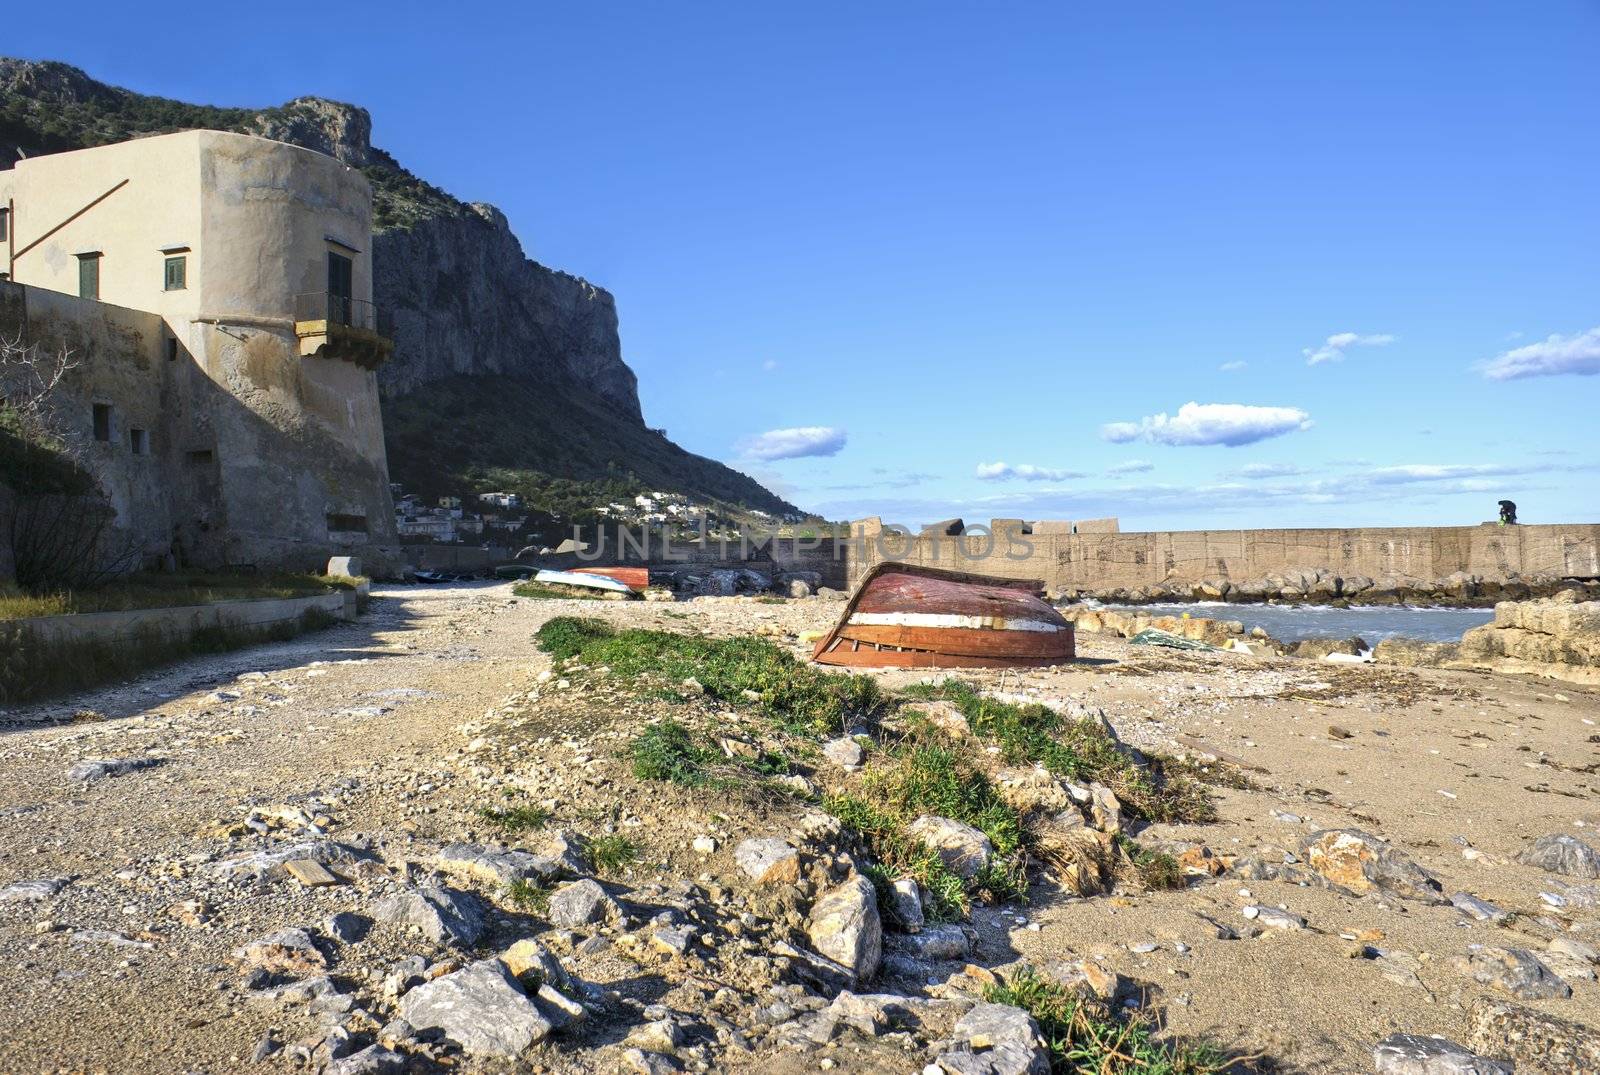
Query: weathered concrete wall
{"type": "Point", "coordinates": [119, 364]}
{"type": "Point", "coordinates": [249, 451]}
{"type": "Point", "coordinates": [1101, 561]}
{"type": "Point", "coordinates": [187, 620]}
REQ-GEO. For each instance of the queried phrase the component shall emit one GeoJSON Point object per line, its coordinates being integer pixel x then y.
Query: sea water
{"type": "Point", "coordinates": [1371, 623]}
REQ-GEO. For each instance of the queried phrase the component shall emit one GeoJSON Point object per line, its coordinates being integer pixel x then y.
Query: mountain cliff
{"type": "Point", "coordinates": [516, 367]}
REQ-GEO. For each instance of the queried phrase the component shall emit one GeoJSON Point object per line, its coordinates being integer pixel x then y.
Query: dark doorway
{"type": "Point", "coordinates": [340, 288]}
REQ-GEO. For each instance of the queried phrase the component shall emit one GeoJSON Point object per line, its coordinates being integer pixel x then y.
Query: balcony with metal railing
{"type": "Point", "coordinates": [329, 325]}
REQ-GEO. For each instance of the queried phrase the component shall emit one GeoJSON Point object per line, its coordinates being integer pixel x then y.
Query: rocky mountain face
{"type": "Point", "coordinates": [467, 301]}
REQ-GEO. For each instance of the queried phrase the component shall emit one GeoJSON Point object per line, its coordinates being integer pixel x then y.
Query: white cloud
{"type": "Point", "coordinates": [797, 443]}
{"type": "Point", "coordinates": [1027, 472]}
{"type": "Point", "coordinates": [770, 364]}
{"type": "Point", "coordinates": [1578, 354]}
{"type": "Point", "coordinates": [1232, 367]}
{"type": "Point", "coordinates": [1340, 342]}
{"type": "Point", "coordinates": [1435, 472]}
{"type": "Point", "coordinates": [1132, 466]}
{"type": "Point", "coordinates": [1269, 470]}
{"type": "Point", "coordinates": [1231, 424]}
{"type": "Point", "coordinates": [1395, 488]}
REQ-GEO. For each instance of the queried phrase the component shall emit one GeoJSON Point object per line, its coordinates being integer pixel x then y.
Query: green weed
{"type": "Point", "coordinates": [527, 896]}
{"type": "Point", "coordinates": [933, 780]}
{"type": "Point", "coordinates": [610, 854]}
{"type": "Point", "coordinates": [1078, 750]}
{"type": "Point", "coordinates": [1083, 1036]}
{"type": "Point", "coordinates": [796, 695]}
{"type": "Point", "coordinates": [667, 751]}
{"type": "Point", "coordinates": [516, 818]}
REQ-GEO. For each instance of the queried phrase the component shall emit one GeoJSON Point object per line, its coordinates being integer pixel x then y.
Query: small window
{"type": "Point", "coordinates": [5, 224]}
{"type": "Point", "coordinates": [139, 441]}
{"type": "Point", "coordinates": [172, 348]}
{"type": "Point", "coordinates": [88, 276]}
{"type": "Point", "coordinates": [177, 273]}
{"type": "Point", "coordinates": [200, 457]}
{"type": "Point", "coordinates": [102, 421]}
{"type": "Point", "coordinates": [347, 523]}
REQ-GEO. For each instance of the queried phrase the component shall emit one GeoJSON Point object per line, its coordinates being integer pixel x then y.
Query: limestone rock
{"type": "Point", "coordinates": [768, 861]}
{"type": "Point", "coordinates": [581, 903]}
{"type": "Point", "coordinates": [93, 769]}
{"type": "Point", "coordinates": [996, 1039]}
{"type": "Point", "coordinates": [33, 891]}
{"type": "Point", "coordinates": [495, 865]}
{"type": "Point", "coordinates": [946, 941]}
{"type": "Point", "coordinates": [1360, 862]}
{"type": "Point", "coordinates": [373, 1060]}
{"type": "Point", "coordinates": [1537, 1043]}
{"type": "Point", "coordinates": [286, 951]}
{"type": "Point", "coordinates": [1516, 971]}
{"type": "Point", "coordinates": [1563, 854]}
{"type": "Point", "coordinates": [1032, 788]}
{"type": "Point", "coordinates": [533, 964]}
{"type": "Point", "coordinates": [1083, 976]}
{"type": "Point", "coordinates": [481, 1008]}
{"type": "Point", "coordinates": [844, 927]}
{"type": "Point", "coordinates": [1410, 653]}
{"type": "Point", "coordinates": [945, 716]}
{"type": "Point", "coordinates": [1412, 1054]}
{"type": "Point", "coordinates": [1482, 910]}
{"type": "Point", "coordinates": [1274, 918]}
{"type": "Point", "coordinates": [906, 900]}
{"type": "Point", "coordinates": [1105, 809]}
{"type": "Point", "coordinates": [844, 752]}
{"type": "Point", "coordinates": [443, 915]}
{"type": "Point", "coordinates": [962, 848]}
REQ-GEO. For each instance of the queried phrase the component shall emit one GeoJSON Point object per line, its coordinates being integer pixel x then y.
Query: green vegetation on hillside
{"type": "Point", "coordinates": [89, 113]}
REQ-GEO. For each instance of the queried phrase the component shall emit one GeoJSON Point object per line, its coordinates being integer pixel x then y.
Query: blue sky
{"type": "Point", "coordinates": [981, 260]}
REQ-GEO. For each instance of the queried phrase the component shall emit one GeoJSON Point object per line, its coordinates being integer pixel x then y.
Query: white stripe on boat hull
{"type": "Point", "coordinates": [932, 619]}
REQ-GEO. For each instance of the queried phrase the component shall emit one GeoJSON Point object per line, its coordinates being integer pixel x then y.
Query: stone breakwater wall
{"type": "Point", "coordinates": [1475, 565]}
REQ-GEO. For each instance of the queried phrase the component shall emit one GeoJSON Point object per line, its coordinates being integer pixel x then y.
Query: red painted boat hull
{"type": "Point", "coordinates": [908, 616]}
{"type": "Point", "coordinates": [636, 577]}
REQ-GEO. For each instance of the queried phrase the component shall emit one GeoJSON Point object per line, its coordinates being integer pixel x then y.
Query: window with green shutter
{"type": "Point", "coordinates": [177, 273]}
{"type": "Point", "coordinates": [88, 276]}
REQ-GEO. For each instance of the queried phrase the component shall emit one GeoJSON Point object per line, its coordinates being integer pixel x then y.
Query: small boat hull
{"type": "Point", "coordinates": [637, 578]}
{"type": "Point", "coordinates": [908, 616]}
{"type": "Point", "coordinates": [584, 581]}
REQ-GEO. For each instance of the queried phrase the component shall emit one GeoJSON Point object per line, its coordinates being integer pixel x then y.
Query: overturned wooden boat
{"type": "Point", "coordinates": [583, 580]}
{"type": "Point", "coordinates": [909, 616]}
{"type": "Point", "coordinates": [637, 578]}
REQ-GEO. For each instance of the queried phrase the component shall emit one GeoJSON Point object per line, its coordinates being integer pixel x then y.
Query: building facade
{"type": "Point", "coordinates": [214, 291]}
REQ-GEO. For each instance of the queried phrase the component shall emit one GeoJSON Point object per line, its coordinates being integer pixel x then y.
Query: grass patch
{"type": "Point", "coordinates": [516, 818]}
{"type": "Point", "coordinates": [925, 779]}
{"type": "Point", "coordinates": [1083, 1036]}
{"type": "Point", "coordinates": [157, 590]}
{"type": "Point", "coordinates": [667, 751]}
{"type": "Point", "coordinates": [610, 854]}
{"type": "Point", "coordinates": [544, 590]}
{"type": "Point", "coordinates": [796, 695]}
{"type": "Point", "coordinates": [1078, 750]}
{"type": "Point", "coordinates": [32, 667]}
{"type": "Point", "coordinates": [1150, 869]}
{"type": "Point", "coordinates": [527, 896]}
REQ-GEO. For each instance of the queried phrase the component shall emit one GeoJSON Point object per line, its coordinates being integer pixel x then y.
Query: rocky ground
{"type": "Point", "coordinates": [415, 843]}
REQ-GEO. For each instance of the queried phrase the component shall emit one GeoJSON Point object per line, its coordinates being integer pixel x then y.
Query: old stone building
{"type": "Point", "coordinates": [215, 292]}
